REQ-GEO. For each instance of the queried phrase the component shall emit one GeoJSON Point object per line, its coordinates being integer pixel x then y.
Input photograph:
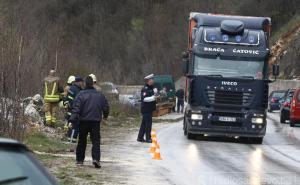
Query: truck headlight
{"type": "Point", "coordinates": [196, 116]}
{"type": "Point", "coordinates": [257, 120]}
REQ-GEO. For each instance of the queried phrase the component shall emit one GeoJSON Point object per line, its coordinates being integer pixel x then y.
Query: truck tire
{"type": "Point", "coordinates": [292, 123]}
{"type": "Point", "coordinates": [282, 118]}
{"type": "Point", "coordinates": [256, 140]}
{"type": "Point", "coordinates": [184, 127]}
{"type": "Point", "coordinates": [190, 136]}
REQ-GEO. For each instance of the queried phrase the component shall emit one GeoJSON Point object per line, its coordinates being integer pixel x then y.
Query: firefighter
{"type": "Point", "coordinates": [66, 103]}
{"type": "Point", "coordinates": [70, 82]}
{"type": "Point", "coordinates": [90, 107]}
{"type": "Point", "coordinates": [72, 94]}
{"type": "Point", "coordinates": [96, 86]}
{"type": "Point", "coordinates": [52, 92]}
{"type": "Point", "coordinates": [148, 105]}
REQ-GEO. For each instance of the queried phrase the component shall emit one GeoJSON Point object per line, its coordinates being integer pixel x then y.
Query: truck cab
{"type": "Point", "coordinates": [227, 76]}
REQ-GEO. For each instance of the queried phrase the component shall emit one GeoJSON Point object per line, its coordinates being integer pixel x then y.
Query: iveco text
{"type": "Point", "coordinates": [229, 83]}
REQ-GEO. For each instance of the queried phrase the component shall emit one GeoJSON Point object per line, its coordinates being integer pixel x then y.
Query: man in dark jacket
{"type": "Point", "coordinates": [89, 108]}
{"type": "Point", "coordinates": [180, 100]}
{"type": "Point", "coordinates": [148, 105]}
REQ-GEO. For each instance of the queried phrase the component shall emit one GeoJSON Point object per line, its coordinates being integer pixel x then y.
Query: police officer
{"type": "Point", "coordinates": [90, 107]}
{"type": "Point", "coordinates": [148, 105]}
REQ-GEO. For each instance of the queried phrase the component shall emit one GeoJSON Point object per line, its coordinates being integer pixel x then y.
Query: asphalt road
{"type": "Point", "coordinates": [225, 161]}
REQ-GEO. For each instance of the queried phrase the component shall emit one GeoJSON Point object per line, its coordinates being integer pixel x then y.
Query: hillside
{"type": "Point", "coordinates": [285, 51]}
{"type": "Point", "coordinates": [118, 40]}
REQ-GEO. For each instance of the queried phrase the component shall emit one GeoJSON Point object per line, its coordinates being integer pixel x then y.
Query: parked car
{"type": "Point", "coordinates": [295, 108]}
{"type": "Point", "coordinates": [19, 166]}
{"type": "Point", "coordinates": [274, 100]}
{"type": "Point", "coordinates": [110, 91]}
{"type": "Point", "coordinates": [285, 106]}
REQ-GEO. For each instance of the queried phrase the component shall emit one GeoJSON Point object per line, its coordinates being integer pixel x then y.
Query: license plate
{"type": "Point", "coordinates": [227, 119]}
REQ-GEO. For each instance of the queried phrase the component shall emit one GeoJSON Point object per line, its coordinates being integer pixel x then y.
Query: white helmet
{"type": "Point", "coordinates": [71, 79]}
{"type": "Point", "coordinates": [93, 77]}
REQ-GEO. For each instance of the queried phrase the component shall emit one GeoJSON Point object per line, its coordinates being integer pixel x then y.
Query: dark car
{"type": "Point", "coordinates": [285, 105]}
{"type": "Point", "coordinates": [274, 100]}
{"type": "Point", "coordinates": [19, 166]}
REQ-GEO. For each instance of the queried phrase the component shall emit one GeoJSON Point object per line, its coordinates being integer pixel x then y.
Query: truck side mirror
{"type": "Point", "coordinates": [275, 70]}
{"type": "Point", "coordinates": [185, 62]}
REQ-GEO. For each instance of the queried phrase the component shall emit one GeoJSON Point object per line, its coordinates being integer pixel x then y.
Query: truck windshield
{"type": "Point", "coordinates": [228, 68]}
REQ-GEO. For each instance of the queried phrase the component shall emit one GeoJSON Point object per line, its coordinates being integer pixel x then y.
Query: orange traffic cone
{"type": "Point", "coordinates": [157, 145]}
{"type": "Point", "coordinates": [152, 148]}
{"type": "Point", "coordinates": [154, 140]}
{"type": "Point", "coordinates": [157, 155]}
{"type": "Point", "coordinates": [153, 134]}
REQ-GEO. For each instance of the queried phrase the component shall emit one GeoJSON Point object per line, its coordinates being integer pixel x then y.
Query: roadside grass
{"type": "Point", "coordinates": [124, 115]}
{"type": "Point", "coordinates": [119, 110]}
{"type": "Point", "coordinates": [38, 141]}
{"type": "Point", "coordinates": [63, 177]}
{"type": "Point", "coordinates": [69, 175]}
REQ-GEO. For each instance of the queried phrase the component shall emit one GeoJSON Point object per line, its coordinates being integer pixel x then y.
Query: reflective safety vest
{"type": "Point", "coordinates": [53, 96]}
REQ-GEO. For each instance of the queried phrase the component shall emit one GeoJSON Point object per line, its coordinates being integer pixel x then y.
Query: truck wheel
{"type": "Point", "coordinates": [190, 135]}
{"type": "Point", "coordinates": [292, 123]}
{"type": "Point", "coordinates": [282, 119]}
{"type": "Point", "coordinates": [256, 140]}
{"type": "Point", "coordinates": [184, 127]}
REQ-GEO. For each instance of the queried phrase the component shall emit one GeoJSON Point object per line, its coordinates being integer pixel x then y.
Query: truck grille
{"type": "Point", "coordinates": [229, 97]}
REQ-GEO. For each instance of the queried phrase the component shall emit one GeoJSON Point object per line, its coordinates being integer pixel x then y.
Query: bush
{"type": "Point", "coordinates": [119, 110]}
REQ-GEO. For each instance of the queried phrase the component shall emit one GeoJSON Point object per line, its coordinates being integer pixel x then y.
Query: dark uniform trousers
{"type": "Point", "coordinates": [146, 126]}
{"type": "Point", "coordinates": [180, 105]}
{"type": "Point", "coordinates": [84, 129]}
{"type": "Point", "coordinates": [72, 93]}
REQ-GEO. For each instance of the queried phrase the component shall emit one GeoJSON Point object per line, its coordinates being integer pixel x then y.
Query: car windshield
{"type": "Point", "coordinates": [278, 94]}
{"type": "Point", "coordinates": [18, 168]}
{"type": "Point", "coordinates": [228, 68]}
